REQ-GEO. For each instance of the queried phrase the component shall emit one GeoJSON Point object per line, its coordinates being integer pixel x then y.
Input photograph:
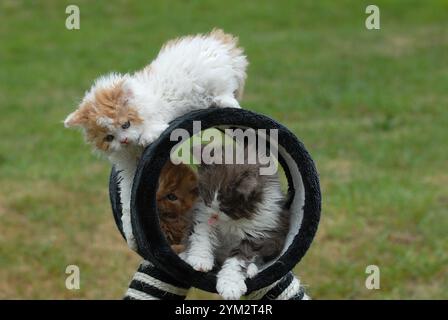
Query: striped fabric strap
{"type": "Point", "coordinates": [287, 288]}
{"type": "Point", "coordinates": [150, 283]}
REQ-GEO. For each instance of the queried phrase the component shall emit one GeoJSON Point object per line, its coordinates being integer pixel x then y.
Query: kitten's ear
{"type": "Point", "coordinates": [247, 185]}
{"type": "Point", "coordinates": [74, 119]}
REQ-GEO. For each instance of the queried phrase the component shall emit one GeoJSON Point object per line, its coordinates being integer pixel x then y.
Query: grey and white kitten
{"type": "Point", "coordinates": [239, 224]}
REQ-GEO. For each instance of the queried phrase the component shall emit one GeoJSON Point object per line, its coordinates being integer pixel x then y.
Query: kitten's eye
{"type": "Point", "coordinates": [171, 197]}
{"type": "Point", "coordinates": [126, 125]}
{"type": "Point", "coordinates": [207, 202]}
{"type": "Point", "coordinates": [109, 138]}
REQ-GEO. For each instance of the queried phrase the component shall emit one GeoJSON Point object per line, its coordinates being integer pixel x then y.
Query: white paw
{"type": "Point", "coordinates": [146, 139]}
{"type": "Point", "coordinates": [200, 263]}
{"type": "Point", "coordinates": [127, 229]}
{"type": "Point", "coordinates": [132, 243]}
{"type": "Point", "coordinates": [230, 288]}
{"type": "Point", "coordinates": [150, 135]}
{"type": "Point", "coordinates": [252, 270]}
{"type": "Point", "coordinates": [226, 102]}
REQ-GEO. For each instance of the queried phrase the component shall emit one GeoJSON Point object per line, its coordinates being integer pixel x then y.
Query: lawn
{"type": "Point", "coordinates": [370, 106]}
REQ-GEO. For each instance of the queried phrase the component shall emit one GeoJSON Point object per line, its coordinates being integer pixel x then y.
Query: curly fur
{"type": "Point", "coordinates": [123, 113]}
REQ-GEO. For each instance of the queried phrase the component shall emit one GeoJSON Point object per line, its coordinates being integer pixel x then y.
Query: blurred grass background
{"type": "Point", "coordinates": [371, 107]}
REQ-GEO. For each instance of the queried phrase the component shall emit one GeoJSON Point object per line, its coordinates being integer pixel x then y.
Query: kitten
{"type": "Point", "coordinates": [239, 224]}
{"type": "Point", "coordinates": [176, 195]}
{"type": "Point", "coordinates": [123, 113]}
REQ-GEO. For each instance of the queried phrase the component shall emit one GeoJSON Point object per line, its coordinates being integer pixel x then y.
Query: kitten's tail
{"type": "Point", "coordinates": [239, 59]}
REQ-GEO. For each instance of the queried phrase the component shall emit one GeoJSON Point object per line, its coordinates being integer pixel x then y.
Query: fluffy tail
{"type": "Point", "coordinates": [239, 60]}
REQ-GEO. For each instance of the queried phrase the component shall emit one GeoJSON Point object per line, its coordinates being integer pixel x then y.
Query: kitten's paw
{"type": "Point", "coordinates": [226, 102]}
{"type": "Point", "coordinates": [252, 270]}
{"type": "Point", "coordinates": [152, 134]}
{"type": "Point", "coordinates": [230, 288]}
{"type": "Point", "coordinates": [127, 229]}
{"type": "Point", "coordinates": [146, 139]}
{"type": "Point", "coordinates": [132, 243]}
{"type": "Point", "coordinates": [200, 263]}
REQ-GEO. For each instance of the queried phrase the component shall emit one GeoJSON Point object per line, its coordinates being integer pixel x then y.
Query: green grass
{"type": "Point", "coordinates": [371, 107]}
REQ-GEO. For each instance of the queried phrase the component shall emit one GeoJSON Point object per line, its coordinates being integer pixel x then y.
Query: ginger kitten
{"type": "Point", "coordinates": [123, 113]}
{"type": "Point", "coordinates": [176, 196]}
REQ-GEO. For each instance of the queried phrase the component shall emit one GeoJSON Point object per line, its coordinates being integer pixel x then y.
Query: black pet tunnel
{"type": "Point", "coordinates": [163, 275]}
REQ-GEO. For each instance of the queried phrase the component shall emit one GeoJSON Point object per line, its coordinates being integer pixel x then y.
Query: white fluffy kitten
{"type": "Point", "coordinates": [122, 114]}
{"type": "Point", "coordinates": [239, 224]}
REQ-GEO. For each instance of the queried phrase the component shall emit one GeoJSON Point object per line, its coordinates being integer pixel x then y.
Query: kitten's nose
{"type": "Point", "coordinates": [124, 141]}
{"type": "Point", "coordinates": [213, 219]}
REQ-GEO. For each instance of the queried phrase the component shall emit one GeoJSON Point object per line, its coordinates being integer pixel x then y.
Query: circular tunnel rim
{"type": "Point", "coordinates": [152, 244]}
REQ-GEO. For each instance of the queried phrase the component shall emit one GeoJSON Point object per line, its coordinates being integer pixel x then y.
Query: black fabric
{"type": "Point", "coordinates": [152, 244]}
